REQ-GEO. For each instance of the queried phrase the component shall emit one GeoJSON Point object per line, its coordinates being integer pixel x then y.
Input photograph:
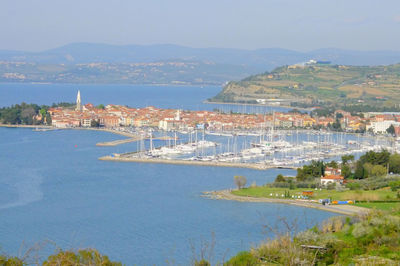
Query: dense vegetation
{"type": "Point", "coordinates": [61, 257]}
{"type": "Point", "coordinates": [28, 114]}
{"type": "Point", "coordinates": [358, 88]}
{"type": "Point", "coordinates": [373, 239]}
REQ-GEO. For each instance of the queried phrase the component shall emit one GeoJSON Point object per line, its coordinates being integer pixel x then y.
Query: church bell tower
{"type": "Point", "coordinates": [78, 102]}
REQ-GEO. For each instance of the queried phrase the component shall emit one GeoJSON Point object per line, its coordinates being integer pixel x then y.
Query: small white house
{"type": "Point", "coordinates": [338, 179]}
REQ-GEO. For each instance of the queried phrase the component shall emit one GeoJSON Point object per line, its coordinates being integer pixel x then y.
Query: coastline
{"type": "Point", "coordinates": [125, 134]}
{"type": "Point", "coordinates": [340, 209]}
{"type": "Point", "coordinates": [26, 126]}
{"type": "Point", "coordinates": [260, 104]}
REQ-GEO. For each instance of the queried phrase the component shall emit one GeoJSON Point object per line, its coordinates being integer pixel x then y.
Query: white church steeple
{"type": "Point", "coordinates": [78, 102]}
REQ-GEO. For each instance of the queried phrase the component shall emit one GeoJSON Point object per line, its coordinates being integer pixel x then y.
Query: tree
{"type": "Point", "coordinates": [390, 130]}
{"type": "Point", "coordinates": [346, 171]}
{"type": "Point", "coordinates": [372, 157]}
{"type": "Point", "coordinates": [11, 261]}
{"type": "Point", "coordinates": [301, 175]}
{"type": "Point", "coordinates": [100, 106]}
{"type": "Point", "coordinates": [332, 164]}
{"type": "Point", "coordinates": [240, 181]}
{"type": "Point", "coordinates": [43, 112]}
{"type": "Point", "coordinates": [94, 123]}
{"type": "Point", "coordinates": [280, 178]}
{"type": "Point", "coordinates": [378, 171]}
{"type": "Point", "coordinates": [368, 169]}
{"type": "Point", "coordinates": [48, 119]}
{"type": "Point", "coordinates": [360, 172]}
{"type": "Point", "coordinates": [394, 163]}
{"type": "Point", "coordinates": [339, 116]}
{"type": "Point", "coordinates": [347, 158]}
{"type": "Point", "coordinates": [315, 169]}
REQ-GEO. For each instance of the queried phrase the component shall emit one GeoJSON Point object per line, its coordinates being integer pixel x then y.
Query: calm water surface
{"type": "Point", "coordinates": [52, 187]}
{"type": "Point", "coordinates": [177, 97]}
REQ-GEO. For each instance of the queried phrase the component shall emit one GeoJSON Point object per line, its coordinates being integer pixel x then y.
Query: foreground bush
{"type": "Point", "coordinates": [81, 257]}
{"type": "Point", "coordinates": [373, 239]}
{"type": "Point", "coordinates": [90, 257]}
{"type": "Point", "coordinates": [10, 261]}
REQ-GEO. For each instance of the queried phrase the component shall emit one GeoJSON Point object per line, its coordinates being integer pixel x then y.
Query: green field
{"type": "Point", "coordinates": [357, 195]}
{"type": "Point", "coordinates": [318, 84]}
{"type": "Point", "coordinates": [386, 206]}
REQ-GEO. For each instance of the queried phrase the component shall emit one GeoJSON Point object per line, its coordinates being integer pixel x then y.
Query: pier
{"type": "Point", "coordinates": [117, 142]}
{"type": "Point", "coordinates": [132, 139]}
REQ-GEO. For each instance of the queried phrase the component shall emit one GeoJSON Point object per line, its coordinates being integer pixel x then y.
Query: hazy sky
{"type": "Point", "coordinates": [294, 24]}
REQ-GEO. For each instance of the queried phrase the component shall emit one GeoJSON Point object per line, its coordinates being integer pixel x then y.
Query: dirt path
{"type": "Point", "coordinates": [342, 209]}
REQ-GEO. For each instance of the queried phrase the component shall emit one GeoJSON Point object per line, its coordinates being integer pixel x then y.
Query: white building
{"type": "Point", "coordinates": [381, 126]}
{"type": "Point", "coordinates": [328, 179]}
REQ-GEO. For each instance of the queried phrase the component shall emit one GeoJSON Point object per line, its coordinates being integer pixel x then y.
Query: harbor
{"type": "Point", "coordinates": [249, 149]}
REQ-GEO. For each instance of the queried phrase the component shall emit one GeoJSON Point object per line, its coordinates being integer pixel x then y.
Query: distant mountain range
{"type": "Point", "coordinates": [238, 62]}
{"type": "Point", "coordinates": [260, 59]}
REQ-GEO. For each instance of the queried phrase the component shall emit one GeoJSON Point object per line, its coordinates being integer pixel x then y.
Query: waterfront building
{"type": "Point", "coordinates": [381, 126]}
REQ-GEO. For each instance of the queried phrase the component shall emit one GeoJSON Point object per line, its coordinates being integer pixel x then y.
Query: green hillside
{"type": "Point", "coordinates": [319, 85]}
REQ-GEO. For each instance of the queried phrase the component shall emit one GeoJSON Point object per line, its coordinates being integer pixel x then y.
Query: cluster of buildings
{"type": "Point", "coordinates": [112, 116]}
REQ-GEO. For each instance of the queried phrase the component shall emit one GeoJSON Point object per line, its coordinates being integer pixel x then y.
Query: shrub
{"type": "Point", "coordinates": [353, 186]}
{"type": "Point", "coordinates": [307, 237]}
{"type": "Point", "coordinates": [394, 185]}
{"type": "Point", "coordinates": [243, 258]}
{"type": "Point", "coordinates": [331, 186]}
{"type": "Point", "coordinates": [361, 230]}
{"type": "Point", "coordinates": [82, 257]}
{"type": "Point", "coordinates": [280, 178]}
{"type": "Point", "coordinates": [203, 262]}
{"type": "Point", "coordinates": [10, 261]}
{"type": "Point", "coordinates": [283, 251]}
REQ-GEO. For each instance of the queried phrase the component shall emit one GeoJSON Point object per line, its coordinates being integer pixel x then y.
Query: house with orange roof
{"type": "Point", "coordinates": [330, 179]}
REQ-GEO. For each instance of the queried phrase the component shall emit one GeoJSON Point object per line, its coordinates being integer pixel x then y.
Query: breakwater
{"type": "Point", "coordinates": [122, 158]}
{"type": "Point", "coordinates": [132, 139]}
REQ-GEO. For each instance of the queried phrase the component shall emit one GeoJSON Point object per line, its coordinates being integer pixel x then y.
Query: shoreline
{"type": "Point", "coordinates": [27, 126]}
{"type": "Point", "coordinates": [340, 209]}
{"type": "Point", "coordinates": [125, 134]}
{"type": "Point", "coordinates": [260, 104]}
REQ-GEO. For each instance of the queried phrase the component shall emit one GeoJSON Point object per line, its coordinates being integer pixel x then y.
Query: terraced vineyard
{"type": "Point", "coordinates": [318, 85]}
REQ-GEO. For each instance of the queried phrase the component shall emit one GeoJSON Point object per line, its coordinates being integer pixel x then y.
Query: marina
{"type": "Point", "coordinates": [263, 150]}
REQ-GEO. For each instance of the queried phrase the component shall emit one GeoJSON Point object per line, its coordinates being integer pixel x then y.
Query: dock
{"type": "Point", "coordinates": [132, 139]}
{"type": "Point", "coordinates": [117, 142]}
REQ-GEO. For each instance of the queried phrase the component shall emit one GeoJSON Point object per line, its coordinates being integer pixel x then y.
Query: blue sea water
{"type": "Point", "coordinates": [53, 187]}
{"type": "Point", "coordinates": [176, 97]}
